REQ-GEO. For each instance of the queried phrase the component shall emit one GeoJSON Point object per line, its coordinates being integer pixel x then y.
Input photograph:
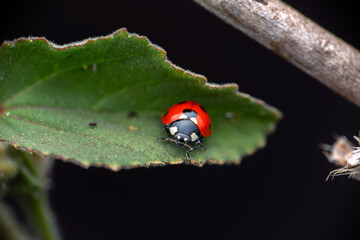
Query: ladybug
{"type": "Point", "coordinates": [187, 122]}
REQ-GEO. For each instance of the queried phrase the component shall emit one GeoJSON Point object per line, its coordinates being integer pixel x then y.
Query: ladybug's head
{"type": "Point", "coordinates": [181, 139]}
{"type": "Point", "coordinates": [184, 131]}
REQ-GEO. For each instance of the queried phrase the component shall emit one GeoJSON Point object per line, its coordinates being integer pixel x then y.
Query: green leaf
{"type": "Point", "coordinates": [49, 94]}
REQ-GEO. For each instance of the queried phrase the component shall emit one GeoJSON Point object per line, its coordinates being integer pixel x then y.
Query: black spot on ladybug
{"type": "Point", "coordinates": [210, 126]}
{"type": "Point", "coordinates": [132, 114]}
{"type": "Point", "coordinates": [181, 102]}
{"type": "Point", "coordinates": [92, 124]}
{"type": "Point", "coordinates": [166, 113]}
{"type": "Point", "coordinates": [203, 108]}
{"type": "Point", "coordinates": [190, 113]}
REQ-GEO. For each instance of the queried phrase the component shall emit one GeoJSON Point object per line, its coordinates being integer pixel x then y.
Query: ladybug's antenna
{"type": "Point", "coordinates": [185, 144]}
{"type": "Point", "coordinates": [166, 139]}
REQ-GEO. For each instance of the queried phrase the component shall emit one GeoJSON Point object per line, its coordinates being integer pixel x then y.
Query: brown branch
{"type": "Point", "coordinates": [296, 38]}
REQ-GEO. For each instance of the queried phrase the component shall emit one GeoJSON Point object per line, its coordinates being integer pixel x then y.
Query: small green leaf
{"type": "Point", "coordinates": [49, 95]}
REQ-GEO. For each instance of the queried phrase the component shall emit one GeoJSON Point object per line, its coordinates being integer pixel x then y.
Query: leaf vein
{"type": "Point", "coordinates": [78, 134]}
{"type": "Point", "coordinates": [12, 70]}
{"type": "Point", "coordinates": [49, 76]}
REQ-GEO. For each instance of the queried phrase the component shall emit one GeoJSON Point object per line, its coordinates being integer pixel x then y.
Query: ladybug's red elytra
{"type": "Point", "coordinates": [187, 122]}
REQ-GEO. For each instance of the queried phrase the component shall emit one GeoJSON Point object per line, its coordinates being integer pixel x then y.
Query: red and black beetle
{"type": "Point", "coordinates": [187, 122]}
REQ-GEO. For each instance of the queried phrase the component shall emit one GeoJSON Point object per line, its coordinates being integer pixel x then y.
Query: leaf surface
{"type": "Point", "coordinates": [49, 94]}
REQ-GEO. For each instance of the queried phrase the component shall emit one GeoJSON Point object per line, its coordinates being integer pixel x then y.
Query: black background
{"type": "Point", "coordinates": [278, 193]}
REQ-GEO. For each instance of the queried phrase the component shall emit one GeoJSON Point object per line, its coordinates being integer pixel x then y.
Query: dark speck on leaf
{"type": "Point", "coordinates": [92, 124]}
{"type": "Point", "coordinates": [132, 114]}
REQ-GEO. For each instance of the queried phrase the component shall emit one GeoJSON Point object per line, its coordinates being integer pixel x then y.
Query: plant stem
{"type": "Point", "coordinates": [29, 190]}
{"type": "Point", "coordinates": [296, 38]}
{"type": "Point", "coordinates": [39, 214]}
{"type": "Point", "coordinates": [9, 227]}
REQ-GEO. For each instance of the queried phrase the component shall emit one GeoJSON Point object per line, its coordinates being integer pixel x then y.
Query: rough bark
{"type": "Point", "coordinates": [296, 38]}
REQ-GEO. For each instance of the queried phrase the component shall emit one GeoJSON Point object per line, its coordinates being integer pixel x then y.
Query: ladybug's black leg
{"type": "Point", "coordinates": [188, 155]}
{"type": "Point", "coordinates": [198, 144]}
